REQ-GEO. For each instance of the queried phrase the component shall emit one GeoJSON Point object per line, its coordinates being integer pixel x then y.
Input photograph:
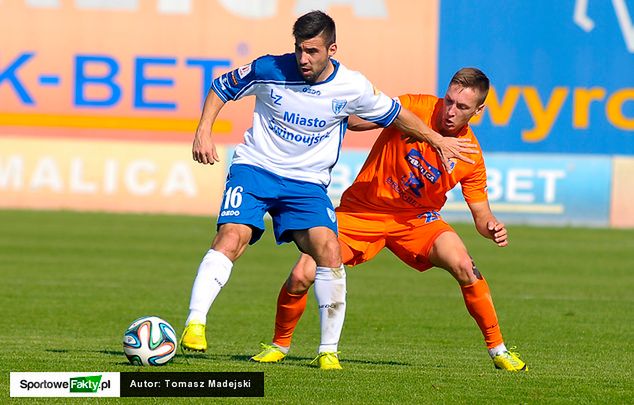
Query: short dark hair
{"type": "Point", "coordinates": [472, 78]}
{"type": "Point", "coordinates": [314, 24]}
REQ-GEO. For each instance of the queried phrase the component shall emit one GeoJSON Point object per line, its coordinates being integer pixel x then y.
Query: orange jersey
{"type": "Point", "coordinates": [409, 178]}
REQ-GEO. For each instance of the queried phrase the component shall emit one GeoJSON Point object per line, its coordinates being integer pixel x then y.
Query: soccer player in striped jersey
{"type": "Point", "coordinates": [302, 104]}
{"type": "Point", "coordinates": [395, 201]}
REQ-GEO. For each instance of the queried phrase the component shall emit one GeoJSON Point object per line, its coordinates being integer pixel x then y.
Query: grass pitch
{"type": "Point", "coordinates": [72, 282]}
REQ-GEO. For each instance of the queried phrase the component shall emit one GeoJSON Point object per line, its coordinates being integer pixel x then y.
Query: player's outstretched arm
{"type": "Point", "coordinates": [448, 147]}
{"type": "Point", "coordinates": [203, 148]}
{"type": "Point", "coordinates": [486, 223]}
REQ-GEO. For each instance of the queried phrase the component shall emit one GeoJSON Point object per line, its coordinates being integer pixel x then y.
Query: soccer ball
{"type": "Point", "coordinates": [149, 341]}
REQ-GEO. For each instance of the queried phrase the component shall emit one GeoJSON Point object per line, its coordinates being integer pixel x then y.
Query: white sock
{"type": "Point", "coordinates": [283, 349]}
{"type": "Point", "coordinates": [213, 274]}
{"type": "Point", "coordinates": [494, 351]}
{"type": "Point", "coordinates": [330, 291]}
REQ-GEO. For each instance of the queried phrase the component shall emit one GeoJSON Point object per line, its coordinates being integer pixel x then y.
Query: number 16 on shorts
{"type": "Point", "coordinates": [232, 201]}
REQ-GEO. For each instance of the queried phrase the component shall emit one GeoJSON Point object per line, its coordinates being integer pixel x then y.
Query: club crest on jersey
{"type": "Point", "coordinates": [337, 105]}
{"type": "Point", "coordinates": [452, 165]}
{"type": "Point", "coordinates": [244, 70]}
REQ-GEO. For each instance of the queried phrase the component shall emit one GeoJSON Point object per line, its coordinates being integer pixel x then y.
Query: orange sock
{"type": "Point", "coordinates": [477, 298]}
{"type": "Point", "coordinates": [290, 308]}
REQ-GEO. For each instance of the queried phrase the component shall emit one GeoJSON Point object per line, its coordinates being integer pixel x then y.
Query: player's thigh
{"type": "Point", "coordinates": [449, 252]}
{"type": "Point", "coordinates": [301, 206]}
{"type": "Point", "coordinates": [245, 197]}
{"type": "Point", "coordinates": [412, 240]}
{"type": "Point", "coordinates": [361, 236]}
{"type": "Point", "coordinates": [320, 243]}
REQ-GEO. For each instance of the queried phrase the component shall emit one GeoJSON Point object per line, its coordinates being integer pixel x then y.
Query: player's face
{"type": "Point", "coordinates": [313, 59]}
{"type": "Point", "coordinates": [459, 105]}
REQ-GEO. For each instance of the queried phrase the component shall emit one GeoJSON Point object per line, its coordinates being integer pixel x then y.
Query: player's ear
{"type": "Point", "coordinates": [332, 49]}
{"type": "Point", "coordinates": [479, 110]}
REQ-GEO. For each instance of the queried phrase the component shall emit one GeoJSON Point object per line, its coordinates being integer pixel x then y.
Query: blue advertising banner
{"type": "Point", "coordinates": [543, 189]}
{"type": "Point", "coordinates": [562, 72]}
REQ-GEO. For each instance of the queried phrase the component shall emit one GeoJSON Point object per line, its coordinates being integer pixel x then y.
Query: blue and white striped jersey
{"type": "Point", "coordinates": [298, 126]}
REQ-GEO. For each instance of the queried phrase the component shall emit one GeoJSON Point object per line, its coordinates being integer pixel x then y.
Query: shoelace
{"type": "Point", "coordinates": [336, 354]}
{"type": "Point", "coordinates": [266, 346]}
{"type": "Point", "coordinates": [512, 353]}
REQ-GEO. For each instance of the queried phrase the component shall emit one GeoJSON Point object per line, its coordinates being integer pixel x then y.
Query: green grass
{"type": "Point", "coordinates": [71, 282]}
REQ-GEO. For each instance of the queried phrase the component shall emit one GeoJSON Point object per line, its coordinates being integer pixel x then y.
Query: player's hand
{"type": "Point", "coordinates": [498, 233]}
{"type": "Point", "coordinates": [204, 150]}
{"type": "Point", "coordinates": [455, 148]}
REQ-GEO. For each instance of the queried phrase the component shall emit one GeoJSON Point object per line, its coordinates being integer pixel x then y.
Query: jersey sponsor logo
{"type": "Point", "coordinates": [338, 105]}
{"type": "Point", "coordinates": [282, 132]}
{"type": "Point", "coordinates": [405, 196]}
{"type": "Point", "coordinates": [233, 78]}
{"type": "Point", "coordinates": [297, 119]}
{"type": "Point", "coordinates": [244, 70]}
{"type": "Point", "coordinates": [230, 213]}
{"type": "Point", "coordinates": [416, 159]}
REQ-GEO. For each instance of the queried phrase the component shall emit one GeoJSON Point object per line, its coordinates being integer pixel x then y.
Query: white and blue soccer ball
{"type": "Point", "coordinates": [149, 341]}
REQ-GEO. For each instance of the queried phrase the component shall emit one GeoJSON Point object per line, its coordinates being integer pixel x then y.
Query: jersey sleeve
{"type": "Point", "coordinates": [374, 106]}
{"type": "Point", "coordinates": [240, 82]}
{"type": "Point", "coordinates": [405, 100]}
{"type": "Point", "coordinates": [474, 186]}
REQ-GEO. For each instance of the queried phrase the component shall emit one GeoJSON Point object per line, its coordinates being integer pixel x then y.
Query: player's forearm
{"type": "Point", "coordinates": [408, 123]}
{"type": "Point", "coordinates": [211, 109]}
{"type": "Point", "coordinates": [482, 215]}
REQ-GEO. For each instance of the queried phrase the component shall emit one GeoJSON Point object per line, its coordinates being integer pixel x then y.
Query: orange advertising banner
{"type": "Point", "coordinates": [139, 69]}
{"type": "Point", "coordinates": [99, 175]}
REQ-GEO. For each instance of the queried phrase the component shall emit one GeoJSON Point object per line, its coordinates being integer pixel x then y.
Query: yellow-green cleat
{"type": "Point", "coordinates": [327, 361]}
{"type": "Point", "coordinates": [193, 338]}
{"type": "Point", "coordinates": [269, 354]}
{"type": "Point", "coordinates": [509, 361]}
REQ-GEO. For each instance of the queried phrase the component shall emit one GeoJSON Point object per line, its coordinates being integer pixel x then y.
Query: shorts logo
{"type": "Point", "coordinates": [331, 215]}
{"type": "Point", "coordinates": [338, 105]}
{"type": "Point", "coordinates": [244, 70]}
{"type": "Point", "coordinates": [430, 216]}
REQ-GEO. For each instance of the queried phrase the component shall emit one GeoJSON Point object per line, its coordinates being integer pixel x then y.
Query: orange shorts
{"type": "Point", "coordinates": [363, 235]}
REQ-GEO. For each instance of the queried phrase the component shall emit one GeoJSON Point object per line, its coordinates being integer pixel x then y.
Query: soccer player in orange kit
{"type": "Point", "coordinates": [395, 201]}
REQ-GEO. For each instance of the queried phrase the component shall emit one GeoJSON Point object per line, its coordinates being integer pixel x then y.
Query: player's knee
{"type": "Point", "coordinates": [302, 276]}
{"type": "Point", "coordinates": [230, 243]}
{"type": "Point", "coordinates": [299, 283]}
{"type": "Point", "coordinates": [464, 270]}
